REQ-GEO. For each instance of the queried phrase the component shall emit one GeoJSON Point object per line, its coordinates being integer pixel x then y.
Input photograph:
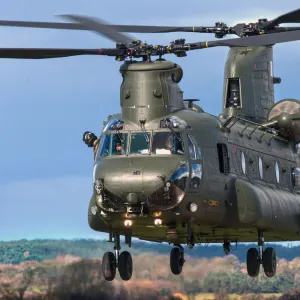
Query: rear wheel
{"type": "Point", "coordinates": [253, 262]}
{"type": "Point", "coordinates": [109, 266]}
{"type": "Point", "coordinates": [269, 262]}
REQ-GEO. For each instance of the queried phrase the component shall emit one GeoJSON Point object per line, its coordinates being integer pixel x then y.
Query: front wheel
{"type": "Point", "coordinates": [109, 266]}
{"type": "Point", "coordinates": [176, 260]}
{"type": "Point", "coordinates": [125, 265]}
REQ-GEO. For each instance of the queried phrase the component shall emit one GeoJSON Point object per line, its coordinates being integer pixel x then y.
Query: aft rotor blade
{"type": "Point", "coordinates": [252, 41]}
{"type": "Point", "coordinates": [290, 17]}
{"type": "Point", "coordinates": [39, 53]}
{"type": "Point", "coordinates": [100, 27]}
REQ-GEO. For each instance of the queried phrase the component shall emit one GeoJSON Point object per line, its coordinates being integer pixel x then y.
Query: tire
{"type": "Point", "coordinates": [253, 263]}
{"type": "Point", "coordinates": [269, 262]}
{"type": "Point", "coordinates": [109, 266]}
{"type": "Point", "coordinates": [176, 261]}
{"type": "Point", "coordinates": [125, 265]}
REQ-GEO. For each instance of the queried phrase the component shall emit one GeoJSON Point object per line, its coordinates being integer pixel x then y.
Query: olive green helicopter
{"type": "Point", "coordinates": [166, 171]}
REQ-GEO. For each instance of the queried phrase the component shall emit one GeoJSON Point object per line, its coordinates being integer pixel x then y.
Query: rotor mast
{"type": "Point", "coordinates": [150, 89]}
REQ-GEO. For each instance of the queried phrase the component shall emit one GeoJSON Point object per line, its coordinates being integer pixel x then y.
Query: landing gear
{"type": "Point", "coordinates": [265, 257]}
{"type": "Point", "coordinates": [253, 262]}
{"type": "Point", "coordinates": [109, 266]}
{"type": "Point", "coordinates": [125, 265]}
{"type": "Point", "coordinates": [177, 259]}
{"type": "Point", "coordinates": [123, 261]}
{"type": "Point", "coordinates": [226, 247]}
{"type": "Point", "coordinates": [269, 262]}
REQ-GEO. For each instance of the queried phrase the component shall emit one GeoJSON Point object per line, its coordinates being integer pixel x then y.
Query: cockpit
{"type": "Point", "coordinates": [140, 143]}
{"type": "Point", "coordinates": [116, 141]}
{"type": "Point", "coordinates": [158, 172]}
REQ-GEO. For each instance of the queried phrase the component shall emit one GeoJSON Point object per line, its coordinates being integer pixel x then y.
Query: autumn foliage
{"type": "Point", "coordinates": [70, 277]}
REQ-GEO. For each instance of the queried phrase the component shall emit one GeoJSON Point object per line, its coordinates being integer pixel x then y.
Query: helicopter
{"type": "Point", "coordinates": [166, 171]}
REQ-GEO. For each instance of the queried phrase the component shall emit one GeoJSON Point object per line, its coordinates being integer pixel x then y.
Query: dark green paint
{"type": "Point", "coordinates": [246, 202]}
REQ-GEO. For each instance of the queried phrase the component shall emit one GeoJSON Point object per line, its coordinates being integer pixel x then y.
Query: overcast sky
{"type": "Point", "coordinates": [46, 105]}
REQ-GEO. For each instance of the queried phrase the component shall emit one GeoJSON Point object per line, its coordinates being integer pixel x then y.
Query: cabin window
{"type": "Point", "coordinates": [167, 143]}
{"type": "Point", "coordinates": [243, 162]}
{"type": "Point", "coordinates": [196, 176]}
{"type": "Point", "coordinates": [260, 168]}
{"type": "Point", "coordinates": [296, 177]}
{"type": "Point", "coordinates": [223, 158]}
{"type": "Point", "coordinates": [113, 144]}
{"type": "Point", "coordinates": [194, 149]}
{"type": "Point", "coordinates": [140, 143]}
{"type": "Point", "coordinates": [277, 172]}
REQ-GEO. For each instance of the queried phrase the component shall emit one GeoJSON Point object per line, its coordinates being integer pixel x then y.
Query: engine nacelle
{"type": "Point", "coordinates": [284, 116]}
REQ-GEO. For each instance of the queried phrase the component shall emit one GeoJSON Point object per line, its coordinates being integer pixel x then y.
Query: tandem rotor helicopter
{"type": "Point", "coordinates": [166, 171]}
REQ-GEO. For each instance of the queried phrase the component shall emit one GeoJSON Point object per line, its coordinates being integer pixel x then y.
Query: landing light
{"type": "Point", "coordinates": [128, 223]}
{"type": "Point", "coordinates": [193, 207]}
{"type": "Point", "coordinates": [157, 214]}
{"type": "Point", "coordinates": [157, 222]}
{"type": "Point", "coordinates": [94, 210]}
{"type": "Point", "coordinates": [99, 199]}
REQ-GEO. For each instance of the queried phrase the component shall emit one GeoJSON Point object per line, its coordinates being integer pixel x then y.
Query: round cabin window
{"type": "Point", "coordinates": [277, 171]}
{"type": "Point", "coordinates": [243, 160]}
{"type": "Point", "coordinates": [260, 168]}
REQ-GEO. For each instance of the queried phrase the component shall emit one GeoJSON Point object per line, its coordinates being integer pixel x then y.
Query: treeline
{"type": "Point", "coordinates": [23, 250]}
{"type": "Point", "coordinates": [68, 277]}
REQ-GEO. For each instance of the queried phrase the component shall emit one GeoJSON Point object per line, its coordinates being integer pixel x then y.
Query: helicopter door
{"type": "Point", "coordinates": [195, 161]}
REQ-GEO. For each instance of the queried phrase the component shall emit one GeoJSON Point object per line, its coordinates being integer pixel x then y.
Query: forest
{"type": "Point", "coordinates": [41, 249]}
{"type": "Point", "coordinates": [62, 269]}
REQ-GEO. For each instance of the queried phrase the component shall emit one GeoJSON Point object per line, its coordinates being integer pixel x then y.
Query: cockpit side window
{"type": "Point", "coordinates": [113, 144]}
{"type": "Point", "coordinates": [194, 149]}
{"type": "Point", "coordinates": [114, 124]}
{"type": "Point", "coordinates": [167, 143]}
{"type": "Point", "coordinates": [139, 143]}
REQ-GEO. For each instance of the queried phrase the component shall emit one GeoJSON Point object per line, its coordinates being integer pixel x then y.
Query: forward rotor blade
{"type": "Point", "coordinates": [290, 17]}
{"type": "Point", "coordinates": [119, 28]}
{"type": "Point", "coordinates": [39, 53]}
{"type": "Point", "coordinates": [46, 25]}
{"type": "Point", "coordinates": [100, 27]}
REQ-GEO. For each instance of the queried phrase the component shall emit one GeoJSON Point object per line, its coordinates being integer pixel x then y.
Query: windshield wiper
{"type": "Point", "coordinates": [172, 130]}
{"type": "Point", "coordinates": [118, 134]}
{"type": "Point", "coordinates": [142, 125]}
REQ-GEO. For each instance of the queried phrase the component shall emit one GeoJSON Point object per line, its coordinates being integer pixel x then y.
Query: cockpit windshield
{"type": "Point", "coordinates": [167, 143]}
{"type": "Point", "coordinates": [113, 144]}
{"type": "Point", "coordinates": [139, 143]}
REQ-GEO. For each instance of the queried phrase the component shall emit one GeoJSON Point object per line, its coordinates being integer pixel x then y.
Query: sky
{"type": "Point", "coordinates": [46, 105]}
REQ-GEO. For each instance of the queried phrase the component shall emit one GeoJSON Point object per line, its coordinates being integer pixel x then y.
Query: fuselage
{"type": "Point", "coordinates": [238, 179]}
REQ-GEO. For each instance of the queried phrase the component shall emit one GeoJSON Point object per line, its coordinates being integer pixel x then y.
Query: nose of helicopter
{"type": "Point", "coordinates": [130, 181]}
